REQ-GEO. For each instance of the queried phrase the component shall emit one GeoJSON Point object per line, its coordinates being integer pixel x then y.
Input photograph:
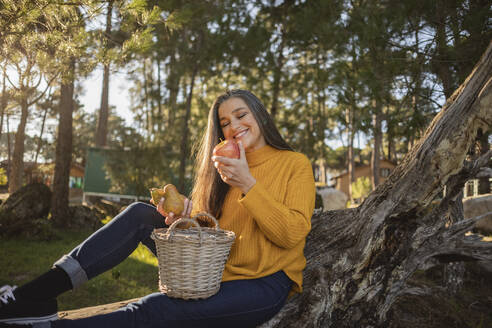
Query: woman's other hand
{"type": "Point", "coordinates": [171, 217]}
{"type": "Point", "coordinates": [235, 172]}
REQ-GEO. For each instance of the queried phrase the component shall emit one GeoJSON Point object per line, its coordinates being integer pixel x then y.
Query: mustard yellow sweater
{"type": "Point", "coordinates": [272, 220]}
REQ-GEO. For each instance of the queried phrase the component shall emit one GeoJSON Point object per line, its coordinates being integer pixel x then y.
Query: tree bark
{"type": "Point", "coordinates": [173, 82]}
{"type": "Point", "coordinates": [59, 206]}
{"type": "Point", "coordinates": [3, 102]}
{"type": "Point", "coordinates": [152, 98]}
{"type": "Point", "coordinates": [184, 131]}
{"type": "Point", "coordinates": [9, 151]}
{"type": "Point", "coordinates": [391, 146]}
{"type": "Point", "coordinates": [442, 68]}
{"type": "Point", "coordinates": [17, 167]}
{"type": "Point", "coordinates": [159, 98]}
{"type": "Point", "coordinates": [40, 138]}
{"type": "Point", "coordinates": [378, 89]}
{"type": "Point", "coordinates": [148, 109]}
{"type": "Point", "coordinates": [377, 139]}
{"type": "Point", "coordinates": [483, 182]}
{"type": "Point", "coordinates": [277, 77]}
{"type": "Point", "coordinates": [350, 158]}
{"type": "Point", "coordinates": [102, 124]}
{"type": "Point", "coordinates": [353, 278]}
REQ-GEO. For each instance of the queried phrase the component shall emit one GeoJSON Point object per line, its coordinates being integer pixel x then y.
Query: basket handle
{"type": "Point", "coordinates": [214, 220]}
{"type": "Point", "coordinates": [181, 220]}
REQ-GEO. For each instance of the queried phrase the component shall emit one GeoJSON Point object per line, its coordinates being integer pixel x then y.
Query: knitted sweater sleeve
{"type": "Point", "coordinates": [285, 223]}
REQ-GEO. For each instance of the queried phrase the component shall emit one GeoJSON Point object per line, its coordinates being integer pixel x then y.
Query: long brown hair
{"type": "Point", "coordinates": [209, 190]}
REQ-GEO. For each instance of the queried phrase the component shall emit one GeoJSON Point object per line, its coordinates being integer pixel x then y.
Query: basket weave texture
{"type": "Point", "coordinates": [191, 261]}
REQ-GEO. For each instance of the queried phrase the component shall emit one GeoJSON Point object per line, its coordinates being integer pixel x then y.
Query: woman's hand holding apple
{"type": "Point", "coordinates": [235, 172]}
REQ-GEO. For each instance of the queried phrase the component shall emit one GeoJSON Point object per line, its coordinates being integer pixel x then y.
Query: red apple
{"type": "Point", "coordinates": [227, 148]}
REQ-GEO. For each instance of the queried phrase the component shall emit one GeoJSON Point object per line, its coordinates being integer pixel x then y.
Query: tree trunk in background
{"type": "Point", "coordinates": [173, 86]}
{"type": "Point", "coordinates": [159, 98]}
{"type": "Point", "coordinates": [322, 171]}
{"type": "Point", "coordinates": [17, 167]}
{"type": "Point", "coordinates": [417, 90]}
{"type": "Point", "coordinates": [148, 109]}
{"type": "Point", "coordinates": [442, 67]}
{"type": "Point", "coordinates": [350, 158]}
{"type": "Point", "coordinates": [3, 102]}
{"type": "Point", "coordinates": [354, 277]}
{"type": "Point", "coordinates": [378, 89]}
{"type": "Point", "coordinates": [184, 132]}
{"type": "Point", "coordinates": [40, 138]}
{"type": "Point", "coordinates": [484, 182]}
{"type": "Point", "coordinates": [391, 145]}
{"type": "Point", "coordinates": [277, 78]}
{"type": "Point", "coordinates": [102, 124]}
{"type": "Point", "coordinates": [152, 98]}
{"type": "Point", "coordinates": [59, 205]}
{"type": "Point", "coordinates": [377, 138]}
{"type": "Point", "coordinates": [9, 150]}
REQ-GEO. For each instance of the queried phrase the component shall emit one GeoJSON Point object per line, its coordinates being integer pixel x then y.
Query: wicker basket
{"type": "Point", "coordinates": [191, 261]}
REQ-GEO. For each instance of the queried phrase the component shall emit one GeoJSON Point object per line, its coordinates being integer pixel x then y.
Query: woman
{"type": "Point", "coordinates": [266, 197]}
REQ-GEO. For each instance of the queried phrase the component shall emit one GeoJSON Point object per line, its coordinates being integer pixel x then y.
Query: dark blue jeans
{"type": "Point", "coordinates": [240, 303]}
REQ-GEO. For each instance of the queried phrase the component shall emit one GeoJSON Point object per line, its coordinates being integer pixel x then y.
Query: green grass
{"type": "Point", "coordinates": [22, 260]}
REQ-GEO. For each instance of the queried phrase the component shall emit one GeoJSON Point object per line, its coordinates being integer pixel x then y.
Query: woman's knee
{"type": "Point", "coordinates": [141, 213]}
{"type": "Point", "coordinates": [139, 207]}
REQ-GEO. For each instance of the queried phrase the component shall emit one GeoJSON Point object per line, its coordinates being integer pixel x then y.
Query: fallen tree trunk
{"type": "Point", "coordinates": [94, 310]}
{"type": "Point", "coordinates": [359, 260]}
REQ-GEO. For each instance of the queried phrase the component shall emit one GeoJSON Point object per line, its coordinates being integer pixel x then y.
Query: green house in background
{"type": "Point", "coordinates": [96, 181]}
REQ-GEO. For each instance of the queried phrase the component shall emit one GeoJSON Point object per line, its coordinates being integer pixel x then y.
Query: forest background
{"type": "Point", "coordinates": [329, 72]}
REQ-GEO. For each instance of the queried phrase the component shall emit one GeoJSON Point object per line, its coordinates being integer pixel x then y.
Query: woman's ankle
{"type": "Point", "coordinates": [46, 286]}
